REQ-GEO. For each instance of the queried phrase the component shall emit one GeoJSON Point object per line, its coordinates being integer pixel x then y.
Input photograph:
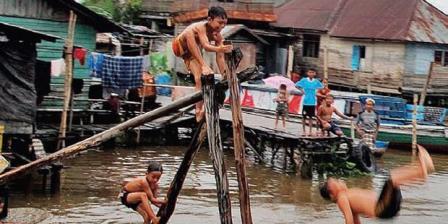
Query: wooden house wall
{"type": "Point", "coordinates": [418, 60]}
{"type": "Point", "coordinates": [37, 9]}
{"type": "Point", "coordinates": [383, 66]}
{"type": "Point", "coordinates": [85, 36]}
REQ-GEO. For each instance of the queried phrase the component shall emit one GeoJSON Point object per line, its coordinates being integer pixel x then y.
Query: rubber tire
{"type": "Point", "coordinates": [363, 157]}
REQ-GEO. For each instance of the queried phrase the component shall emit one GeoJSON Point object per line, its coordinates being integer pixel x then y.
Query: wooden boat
{"type": "Point", "coordinates": [396, 127]}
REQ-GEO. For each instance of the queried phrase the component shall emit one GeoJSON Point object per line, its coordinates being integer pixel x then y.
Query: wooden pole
{"type": "Point", "coordinates": [238, 139]}
{"type": "Point", "coordinates": [326, 62]}
{"type": "Point", "coordinates": [290, 65]}
{"type": "Point", "coordinates": [117, 130]}
{"type": "Point", "coordinates": [142, 103]}
{"type": "Point", "coordinates": [426, 84]}
{"type": "Point", "coordinates": [167, 210]}
{"type": "Point", "coordinates": [68, 78]}
{"type": "Point", "coordinates": [414, 125]}
{"type": "Point", "coordinates": [215, 147]}
{"type": "Point", "coordinates": [72, 101]}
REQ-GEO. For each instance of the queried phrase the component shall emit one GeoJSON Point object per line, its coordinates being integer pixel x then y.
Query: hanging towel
{"type": "Point", "coordinates": [122, 72]}
{"type": "Point", "coordinates": [95, 63]}
{"type": "Point", "coordinates": [80, 54]}
{"type": "Point", "coordinates": [57, 67]}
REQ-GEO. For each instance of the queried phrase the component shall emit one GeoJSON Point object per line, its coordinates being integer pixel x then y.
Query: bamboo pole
{"type": "Point", "coordinates": [215, 147]}
{"type": "Point", "coordinates": [142, 103]}
{"type": "Point", "coordinates": [238, 138]}
{"type": "Point", "coordinates": [414, 126]}
{"type": "Point", "coordinates": [97, 139]}
{"type": "Point", "coordinates": [167, 210]}
{"type": "Point", "coordinates": [326, 62]}
{"type": "Point", "coordinates": [290, 61]}
{"type": "Point", "coordinates": [71, 105]}
{"type": "Point", "coordinates": [68, 78]}
{"type": "Point", "coordinates": [426, 84]}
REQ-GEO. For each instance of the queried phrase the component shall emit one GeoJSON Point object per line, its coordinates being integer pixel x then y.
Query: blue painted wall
{"type": "Point", "coordinates": [419, 57]}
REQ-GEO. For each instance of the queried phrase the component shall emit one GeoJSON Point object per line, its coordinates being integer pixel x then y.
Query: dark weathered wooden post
{"type": "Point", "coordinates": [167, 210]}
{"type": "Point", "coordinates": [233, 60]}
{"type": "Point", "coordinates": [215, 146]}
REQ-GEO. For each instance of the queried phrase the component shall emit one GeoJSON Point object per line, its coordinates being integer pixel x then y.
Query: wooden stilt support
{"type": "Point", "coordinates": [233, 60]}
{"type": "Point", "coordinates": [68, 47]}
{"type": "Point", "coordinates": [215, 146]}
{"type": "Point", "coordinates": [142, 105]}
{"type": "Point", "coordinates": [425, 86]}
{"type": "Point", "coordinates": [414, 126]}
{"type": "Point", "coordinates": [104, 136]}
{"type": "Point", "coordinates": [167, 210]}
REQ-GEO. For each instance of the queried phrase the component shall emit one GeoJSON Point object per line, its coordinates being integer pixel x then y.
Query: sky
{"type": "Point", "coordinates": [441, 4]}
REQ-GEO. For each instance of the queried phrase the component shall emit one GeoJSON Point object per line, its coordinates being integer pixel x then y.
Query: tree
{"type": "Point", "coordinates": [118, 10]}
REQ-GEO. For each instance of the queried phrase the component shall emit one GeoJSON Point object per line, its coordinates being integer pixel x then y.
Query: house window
{"type": "Point", "coordinates": [311, 46]}
{"type": "Point", "coordinates": [359, 54]}
{"type": "Point", "coordinates": [441, 58]}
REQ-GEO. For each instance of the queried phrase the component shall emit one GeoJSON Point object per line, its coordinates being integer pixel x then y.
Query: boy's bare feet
{"type": "Point", "coordinates": [426, 159]}
{"type": "Point", "coordinates": [199, 115]}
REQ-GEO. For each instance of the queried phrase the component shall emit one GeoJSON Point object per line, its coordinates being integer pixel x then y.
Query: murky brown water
{"type": "Point", "coordinates": [90, 184]}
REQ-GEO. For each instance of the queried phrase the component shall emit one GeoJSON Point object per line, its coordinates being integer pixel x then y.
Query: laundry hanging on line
{"type": "Point", "coordinates": [57, 67]}
{"type": "Point", "coordinates": [122, 72]}
{"type": "Point", "coordinates": [95, 63]}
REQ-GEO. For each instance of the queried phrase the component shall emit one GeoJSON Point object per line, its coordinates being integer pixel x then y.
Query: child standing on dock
{"type": "Point", "coordinates": [136, 193]}
{"type": "Point", "coordinates": [355, 202]}
{"type": "Point", "coordinates": [322, 93]}
{"type": "Point", "coordinates": [324, 114]}
{"type": "Point", "coordinates": [282, 105]}
{"type": "Point", "coordinates": [309, 86]}
{"type": "Point", "coordinates": [368, 123]}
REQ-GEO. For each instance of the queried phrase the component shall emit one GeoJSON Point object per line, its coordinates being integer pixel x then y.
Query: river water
{"type": "Point", "coordinates": [91, 181]}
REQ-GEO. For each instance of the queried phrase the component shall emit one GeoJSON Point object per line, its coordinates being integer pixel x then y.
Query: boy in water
{"type": "Point", "coordinates": [282, 105]}
{"type": "Point", "coordinates": [324, 114]}
{"type": "Point", "coordinates": [136, 193]}
{"type": "Point", "coordinates": [368, 123]}
{"type": "Point", "coordinates": [355, 202]}
{"type": "Point", "coordinates": [203, 35]}
{"type": "Point", "coordinates": [309, 86]}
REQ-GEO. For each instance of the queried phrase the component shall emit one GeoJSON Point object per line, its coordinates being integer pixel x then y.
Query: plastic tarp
{"type": "Point", "coordinates": [17, 90]}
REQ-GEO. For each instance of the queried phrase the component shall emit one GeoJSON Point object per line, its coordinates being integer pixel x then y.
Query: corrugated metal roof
{"type": "Point", "coordinates": [428, 25]}
{"type": "Point", "coordinates": [307, 14]}
{"type": "Point", "coordinates": [24, 33]}
{"type": "Point", "coordinates": [401, 20]}
{"type": "Point", "coordinates": [375, 19]}
{"type": "Point", "coordinates": [232, 29]}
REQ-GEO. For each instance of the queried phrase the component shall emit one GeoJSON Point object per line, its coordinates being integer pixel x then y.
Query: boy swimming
{"type": "Point", "coordinates": [136, 193]}
{"type": "Point", "coordinates": [355, 202]}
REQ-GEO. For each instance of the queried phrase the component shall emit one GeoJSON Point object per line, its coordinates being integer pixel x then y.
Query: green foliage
{"type": "Point", "coordinates": [340, 168]}
{"type": "Point", "coordinates": [127, 12]}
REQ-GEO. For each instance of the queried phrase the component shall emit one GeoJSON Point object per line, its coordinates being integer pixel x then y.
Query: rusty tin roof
{"type": "Point", "coordinates": [400, 20]}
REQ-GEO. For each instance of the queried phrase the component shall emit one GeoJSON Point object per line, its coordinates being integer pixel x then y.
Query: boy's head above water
{"type": "Point", "coordinates": [331, 188]}
{"type": "Point", "coordinates": [154, 172]}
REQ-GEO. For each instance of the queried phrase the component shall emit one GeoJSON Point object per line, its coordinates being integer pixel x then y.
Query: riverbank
{"type": "Point", "coordinates": [90, 184]}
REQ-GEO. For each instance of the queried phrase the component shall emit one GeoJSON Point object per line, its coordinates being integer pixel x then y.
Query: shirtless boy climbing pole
{"type": "Point", "coordinates": [140, 192]}
{"type": "Point", "coordinates": [203, 35]}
